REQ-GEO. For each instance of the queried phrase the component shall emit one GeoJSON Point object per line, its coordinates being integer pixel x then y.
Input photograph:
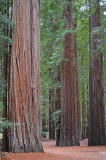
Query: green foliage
{"type": "Point", "coordinates": [52, 33]}
{"type": "Point", "coordinates": [6, 25]}
{"type": "Point", "coordinates": [52, 37]}
{"type": "Point", "coordinates": [5, 41]}
{"type": "Point", "coordinates": [4, 123]}
{"type": "Point", "coordinates": [56, 115]}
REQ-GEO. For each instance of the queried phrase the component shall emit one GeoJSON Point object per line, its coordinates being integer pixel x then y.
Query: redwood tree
{"type": "Point", "coordinates": [96, 97]}
{"type": "Point", "coordinates": [69, 132]}
{"type": "Point", "coordinates": [24, 97]}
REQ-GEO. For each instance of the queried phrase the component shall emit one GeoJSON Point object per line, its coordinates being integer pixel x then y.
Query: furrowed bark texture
{"type": "Point", "coordinates": [97, 134]}
{"type": "Point", "coordinates": [69, 134]}
{"type": "Point", "coordinates": [24, 100]}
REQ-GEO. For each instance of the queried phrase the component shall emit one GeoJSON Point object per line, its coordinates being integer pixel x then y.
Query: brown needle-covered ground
{"type": "Point", "coordinates": [52, 152]}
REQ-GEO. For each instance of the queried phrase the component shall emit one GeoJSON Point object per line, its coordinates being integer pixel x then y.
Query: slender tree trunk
{"type": "Point", "coordinates": [55, 104]}
{"type": "Point", "coordinates": [24, 97]}
{"type": "Point", "coordinates": [77, 84]}
{"type": "Point", "coordinates": [5, 143]}
{"type": "Point", "coordinates": [52, 95]}
{"type": "Point", "coordinates": [84, 113]}
{"type": "Point", "coordinates": [45, 113]}
{"type": "Point", "coordinates": [84, 105]}
{"type": "Point", "coordinates": [69, 131]}
{"type": "Point", "coordinates": [5, 104]}
{"type": "Point", "coordinates": [96, 115]}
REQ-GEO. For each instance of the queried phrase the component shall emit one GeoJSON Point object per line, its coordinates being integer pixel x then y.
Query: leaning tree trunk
{"type": "Point", "coordinates": [96, 115]}
{"type": "Point", "coordinates": [69, 134]}
{"type": "Point", "coordinates": [24, 97]}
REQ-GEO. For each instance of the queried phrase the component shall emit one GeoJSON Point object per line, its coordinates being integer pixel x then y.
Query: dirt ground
{"type": "Point", "coordinates": [53, 152]}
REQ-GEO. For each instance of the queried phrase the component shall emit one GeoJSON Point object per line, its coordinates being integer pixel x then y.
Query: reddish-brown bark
{"type": "Point", "coordinates": [69, 132]}
{"type": "Point", "coordinates": [97, 135]}
{"type": "Point", "coordinates": [24, 97]}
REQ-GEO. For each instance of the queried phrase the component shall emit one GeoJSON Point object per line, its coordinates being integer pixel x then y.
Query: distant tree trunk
{"type": "Point", "coordinates": [5, 97]}
{"type": "Point", "coordinates": [96, 114]}
{"type": "Point", "coordinates": [55, 104]}
{"type": "Point", "coordinates": [77, 84]}
{"type": "Point", "coordinates": [84, 105]}
{"type": "Point", "coordinates": [52, 106]}
{"type": "Point", "coordinates": [69, 131]}
{"type": "Point", "coordinates": [45, 114]}
{"type": "Point", "coordinates": [7, 48]}
{"type": "Point", "coordinates": [84, 113]}
{"type": "Point", "coordinates": [24, 97]}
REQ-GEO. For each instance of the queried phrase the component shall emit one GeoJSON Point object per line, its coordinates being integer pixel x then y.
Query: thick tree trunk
{"type": "Point", "coordinates": [69, 130]}
{"type": "Point", "coordinates": [96, 115]}
{"type": "Point", "coordinates": [24, 97]}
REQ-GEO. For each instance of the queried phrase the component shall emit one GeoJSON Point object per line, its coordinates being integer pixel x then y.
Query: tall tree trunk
{"type": "Point", "coordinates": [5, 145]}
{"type": "Point", "coordinates": [84, 112]}
{"type": "Point", "coordinates": [5, 104]}
{"type": "Point", "coordinates": [45, 114]}
{"type": "Point", "coordinates": [96, 115]}
{"type": "Point", "coordinates": [24, 97]}
{"type": "Point", "coordinates": [84, 105]}
{"type": "Point", "coordinates": [55, 104]}
{"type": "Point", "coordinates": [69, 134]}
{"type": "Point", "coordinates": [52, 94]}
{"type": "Point", "coordinates": [77, 84]}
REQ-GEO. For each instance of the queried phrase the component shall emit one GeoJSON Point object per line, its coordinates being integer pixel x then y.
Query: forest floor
{"type": "Point", "coordinates": [53, 152]}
